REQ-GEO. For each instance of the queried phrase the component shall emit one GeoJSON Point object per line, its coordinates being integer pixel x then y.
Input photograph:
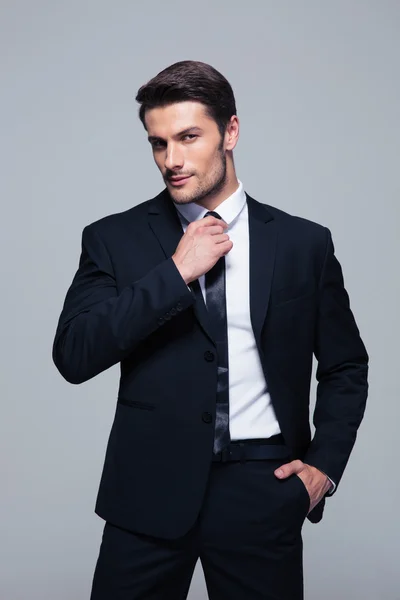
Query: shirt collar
{"type": "Point", "coordinates": [229, 209]}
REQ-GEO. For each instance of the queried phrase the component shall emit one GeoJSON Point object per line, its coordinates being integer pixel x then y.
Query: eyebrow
{"type": "Point", "coordinates": [192, 129]}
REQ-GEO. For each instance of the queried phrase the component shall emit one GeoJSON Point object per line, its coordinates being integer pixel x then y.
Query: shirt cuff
{"type": "Point", "coordinates": [333, 488]}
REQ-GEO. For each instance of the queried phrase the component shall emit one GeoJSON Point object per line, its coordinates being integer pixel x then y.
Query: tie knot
{"type": "Point", "coordinates": [212, 213]}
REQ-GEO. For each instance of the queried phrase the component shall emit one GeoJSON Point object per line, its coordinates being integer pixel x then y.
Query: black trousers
{"type": "Point", "coordinates": [247, 537]}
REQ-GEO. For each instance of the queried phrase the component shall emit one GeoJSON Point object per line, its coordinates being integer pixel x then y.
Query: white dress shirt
{"type": "Point", "coordinates": [251, 414]}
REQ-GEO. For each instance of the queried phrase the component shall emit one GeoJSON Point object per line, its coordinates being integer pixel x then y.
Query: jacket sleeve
{"type": "Point", "coordinates": [341, 373]}
{"type": "Point", "coordinates": [98, 327]}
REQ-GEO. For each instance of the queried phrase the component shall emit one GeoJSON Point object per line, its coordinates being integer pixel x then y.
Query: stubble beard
{"type": "Point", "coordinates": [209, 187]}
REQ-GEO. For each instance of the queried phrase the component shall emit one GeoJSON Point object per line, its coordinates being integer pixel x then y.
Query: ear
{"type": "Point", "coordinates": [232, 133]}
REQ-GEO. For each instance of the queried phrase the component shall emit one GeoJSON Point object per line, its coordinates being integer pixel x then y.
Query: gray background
{"type": "Point", "coordinates": [317, 87]}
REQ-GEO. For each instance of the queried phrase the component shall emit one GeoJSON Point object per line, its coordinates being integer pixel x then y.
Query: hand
{"type": "Point", "coordinates": [203, 243]}
{"type": "Point", "coordinates": [316, 482]}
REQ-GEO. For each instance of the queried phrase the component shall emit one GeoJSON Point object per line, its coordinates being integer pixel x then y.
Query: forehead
{"type": "Point", "coordinates": [170, 120]}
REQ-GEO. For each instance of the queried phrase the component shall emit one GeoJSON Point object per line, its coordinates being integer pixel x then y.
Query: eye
{"type": "Point", "coordinates": [157, 144]}
{"type": "Point", "coordinates": [190, 136]}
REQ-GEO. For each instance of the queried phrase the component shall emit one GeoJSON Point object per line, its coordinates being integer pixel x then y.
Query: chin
{"type": "Point", "coordinates": [181, 196]}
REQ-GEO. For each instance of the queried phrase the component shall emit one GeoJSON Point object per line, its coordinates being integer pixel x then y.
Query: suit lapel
{"type": "Point", "coordinates": [262, 240]}
{"type": "Point", "coordinates": [166, 226]}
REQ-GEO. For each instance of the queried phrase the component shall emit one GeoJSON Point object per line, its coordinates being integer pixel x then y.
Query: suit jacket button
{"type": "Point", "coordinates": [160, 321]}
{"type": "Point", "coordinates": [167, 316]}
{"type": "Point", "coordinates": [179, 306]}
{"type": "Point", "coordinates": [173, 311]}
{"type": "Point", "coordinates": [209, 356]}
{"type": "Point", "coordinates": [206, 417]}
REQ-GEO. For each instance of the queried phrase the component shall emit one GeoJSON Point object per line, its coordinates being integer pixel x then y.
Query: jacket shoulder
{"type": "Point", "coordinates": [296, 222]}
{"type": "Point", "coordinates": [298, 233]}
{"type": "Point", "coordinates": [116, 223]}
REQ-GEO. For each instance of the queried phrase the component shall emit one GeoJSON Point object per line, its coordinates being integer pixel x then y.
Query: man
{"type": "Point", "coordinates": [213, 304]}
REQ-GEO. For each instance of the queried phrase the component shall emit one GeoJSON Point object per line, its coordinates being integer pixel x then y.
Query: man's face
{"type": "Point", "coordinates": [188, 150]}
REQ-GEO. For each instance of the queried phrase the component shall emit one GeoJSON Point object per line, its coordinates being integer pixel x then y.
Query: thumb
{"type": "Point", "coordinates": [288, 469]}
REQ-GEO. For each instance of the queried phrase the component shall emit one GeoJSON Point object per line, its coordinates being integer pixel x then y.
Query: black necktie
{"type": "Point", "coordinates": [216, 306]}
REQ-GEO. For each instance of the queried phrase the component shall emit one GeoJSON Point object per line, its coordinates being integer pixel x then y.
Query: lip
{"type": "Point", "coordinates": [179, 180]}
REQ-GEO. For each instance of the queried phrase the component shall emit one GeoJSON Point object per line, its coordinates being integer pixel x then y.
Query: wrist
{"type": "Point", "coordinates": [328, 484]}
{"type": "Point", "coordinates": [181, 270]}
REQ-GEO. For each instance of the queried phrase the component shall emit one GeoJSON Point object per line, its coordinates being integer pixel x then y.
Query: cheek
{"type": "Point", "coordinates": [159, 162]}
{"type": "Point", "coordinates": [201, 161]}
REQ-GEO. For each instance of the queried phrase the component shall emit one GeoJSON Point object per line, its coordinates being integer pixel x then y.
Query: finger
{"type": "Point", "coordinates": [214, 221]}
{"type": "Point", "coordinates": [284, 471]}
{"type": "Point", "coordinates": [219, 238]}
{"type": "Point", "coordinates": [215, 230]}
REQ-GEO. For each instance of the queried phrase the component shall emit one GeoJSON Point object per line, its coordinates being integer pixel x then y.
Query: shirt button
{"type": "Point", "coordinates": [209, 356]}
{"type": "Point", "coordinates": [206, 417]}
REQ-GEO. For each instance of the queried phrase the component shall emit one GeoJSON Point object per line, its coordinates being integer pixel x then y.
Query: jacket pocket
{"type": "Point", "coordinates": [136, 403]}
{"type": "Point", "coordinates": [292, 293]}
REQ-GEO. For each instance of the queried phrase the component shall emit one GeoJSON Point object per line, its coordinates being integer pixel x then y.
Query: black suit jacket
{"type": "Point", "coordinates": [128, 304]}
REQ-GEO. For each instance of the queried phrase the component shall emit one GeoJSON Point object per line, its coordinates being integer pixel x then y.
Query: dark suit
{"type": "Point", "coordinates": [128, 303]}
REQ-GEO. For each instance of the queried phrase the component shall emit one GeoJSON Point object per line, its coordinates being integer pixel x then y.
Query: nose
{"type": "Point", "coordinates": [173, 158]}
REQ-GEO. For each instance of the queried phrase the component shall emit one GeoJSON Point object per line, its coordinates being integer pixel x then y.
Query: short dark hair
{"type": "Point", "coordinates": [190, 80]}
